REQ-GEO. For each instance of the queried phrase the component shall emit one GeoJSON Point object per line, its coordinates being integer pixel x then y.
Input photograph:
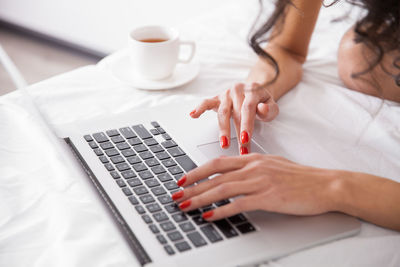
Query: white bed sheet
{"type": "Point", "coordinates": [52, 216]}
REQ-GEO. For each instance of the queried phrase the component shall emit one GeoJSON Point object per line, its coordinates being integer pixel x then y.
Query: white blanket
{"type": "Point", "coordinates": [52, 216]}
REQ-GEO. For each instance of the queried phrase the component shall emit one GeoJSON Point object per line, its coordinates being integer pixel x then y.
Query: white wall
{"type": "Point", "coordinates": [100, 25]}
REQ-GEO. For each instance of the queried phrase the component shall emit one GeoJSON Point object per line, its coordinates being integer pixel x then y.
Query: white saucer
{"type": "Point", "coordinates": [122, 69]}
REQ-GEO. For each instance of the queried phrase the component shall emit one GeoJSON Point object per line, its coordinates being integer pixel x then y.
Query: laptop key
{"type": "Point", "coordinates": [164, 177]}
{"type": "Point", "coordinates": [210, 232]}
{"type": "Point", "coordinates": [166, 136]}
{"type": "Point", "coordinates": [156, 149]}
{"type": "Point", "coordinates": [155, 124]}
{"type": "Point", "coordinates": [154, 132]}
{"type": "Point", "coordinates": [151, 142]}
{"type": "Point", "coordinates": [154, 207]}
{"type": "Point", "coordinates": [158, 191]}
{"type": "Point", "coordinates": [134, 160]}
{"type": "Point", "coordinates": [146, 155]}
{"type": "Point", "coordinates": [106, 145]}
{"type": "Point", "coordinates": [123, 166]}
{"type": "Point", "coordinates": [112, 132]}
{"type": "Point", "coordinates": [134, 182]}
{"type": "Point", "coordinates": [182, 246]}
{"type": "Point", "coordinates": [140, 209]}
{"type": "Point", "coordinates": [93, 145]}
{"type": "Point", "coordinates": [175, 236]}
{"type": "Point", "coordinates": [109, 166]}
{"type": "Point", "coordinates": [178, 176]}
{"type": "Point", "coordinates": [117, 139]}
{"type": "Point", "coordinates": [171, 208]}
{"type": "Point", "coordinates": [117, 159]}
{"type": "Point", "coordinates": [238, 218]}
{"type": "Point", "coordinates": [168, 163]}
{"type": "Point", "coordinates": [169, 250]}
{"type": "Point", "coordinates": [146, 218]}
{"type": "Point", "coordinates": [162, 239]}
{"type": "Point", "coordinates": [158, 169]}
{"type": "Point", "coordinates": [176, 151]}
{"type": "Point", "coordinates": [145, 175]}
{"type": "Point", "coordinates": [128, 174]}
{"type": "Point", "coordinates": [187, 226]}
{"type": "Point", "coordinates": [196, 239]}
{"type": "Point", "coordinates": [175, 170]}
{"type": "Point", "coordinates": [140, 190]}
{"type": "Point", "coordinates": [115, 174]}
{"type": "Point", "coordinates": [140, 148]}
{"type": "Point", "coordinates": [154, 228]}
{"type": "Point", "coordinates": [186, 163]}
{"type": "Point", "coordinates": [152, 183]}
{"type": "Point", "coordinates": [128, 153]}
{"type": "Point", "coordinates": [152, 162]}
{"type": "Point", "coordinates": [162, 155]}
{"type": "Point", "coordinates": [245, 228]}
{"type": "Point", "coordinates": [98, 152]}
{"type": "Point", "coordinates": [104, 159]}
{"type": "Point", "coordinates": [169, 144]}
{"type": "Point", "coordinates": [112, 152]}
{"type": "Point", "coordinates": [123, 146]}
{"type": "Point", "coordinates": [226, 228]}
{"type": "Point", "coordinates": [88, 138]}
{"type": "Point", "coordinates": [120, 183]}
{"type": "Point", "coordinates": [100, 137]}
{"type": "Point", "coordinates": [146, 199]}
{"type": "Point", "coordinates": [167, 226]}
{"type": "Point", "coordinates": [165, 199]}
{"type": "Point", "coordinates": [139, 167]}
{"type": "Point", "coordinates": [199, 220]}
{"type": "Point", "coordinates": [127, 132]}
{"type": "Point", "coordinates": [161, 216]}
{"type": "Point", "coordinates": [134, 141]}
{"type": "Point", "coordinates": [193, 212]}
{"type": "Point", "coordinates": [160, 130]}
{"type": "Point", "coordinates": [179, 217]}
{"type": "Point", "coordinates": [127, 191]}
{"type": "Point", "coordinates": [133, 200]}
{"type": "Point", "coordinates": [222, 202]}
{"type": "Point", "coordinates": [171, 185]}
{"type": "Point", "coordinates": [141, 131]}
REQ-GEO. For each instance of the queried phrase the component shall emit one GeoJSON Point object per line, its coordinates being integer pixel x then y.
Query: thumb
{"type": "Point", "coordinates": [267, 111]}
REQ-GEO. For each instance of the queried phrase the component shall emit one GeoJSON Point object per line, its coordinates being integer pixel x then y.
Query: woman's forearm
{"type": "Point", "coordinates": [371, 198]}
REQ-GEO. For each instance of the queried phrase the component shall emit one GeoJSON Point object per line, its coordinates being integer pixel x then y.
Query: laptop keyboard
{"type": "Point", "coordinates": [146, 170]}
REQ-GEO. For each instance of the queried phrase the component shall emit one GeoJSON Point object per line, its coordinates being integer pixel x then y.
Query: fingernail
{"type": "Point", "coordinates": [244, 137]}
{"type": "Point", "coordinates": [223, 141]}
{"type": "Point", "coordinates": [185, 204]}
{"type": "Point", "coordinates": [207, 214]}
{"type": "Point", "coordinates": [177, 195]}
{"type": "Point", "coordinates": [192, 113]}
{"type": "Point", "coordinates": [243, 150]}
{"type": "Point", "coordinates": [181, 181]}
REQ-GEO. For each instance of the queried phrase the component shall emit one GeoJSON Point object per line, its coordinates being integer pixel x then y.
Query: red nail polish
{"type": "Point", "coordinates": [243, 150]}
{"type": "Point", "coordinates": [181, 181]}
{"type": "Point", "coordinates": [185, 204]}
{"type": "Point", "coordinates": [193, 111]}
{"type": "Point", "coordinates": [244, 137]}
{"type": "Point", "coordinates": [223, 141]}
{"type": "Point", "coordinates": [208, 214]}
{"type": "Point", "coordinates": [177, 195]}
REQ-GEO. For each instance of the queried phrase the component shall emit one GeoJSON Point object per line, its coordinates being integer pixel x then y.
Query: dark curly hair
{"type": "Point", "coordinates": [379, 30]}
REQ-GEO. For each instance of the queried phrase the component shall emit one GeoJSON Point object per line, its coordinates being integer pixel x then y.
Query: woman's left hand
{"type": "Point", "coordinates": [263, 182]}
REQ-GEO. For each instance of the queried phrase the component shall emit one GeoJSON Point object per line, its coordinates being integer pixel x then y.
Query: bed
{"type": "Point", "coordinates": [52, 216]}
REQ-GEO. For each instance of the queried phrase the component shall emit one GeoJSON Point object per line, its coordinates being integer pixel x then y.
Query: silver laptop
{"type": "Point", "coordinates": [134, 161]}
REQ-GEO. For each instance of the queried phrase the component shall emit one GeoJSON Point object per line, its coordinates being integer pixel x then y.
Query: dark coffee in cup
{"type": "Point", "coordinates": [153, 40]}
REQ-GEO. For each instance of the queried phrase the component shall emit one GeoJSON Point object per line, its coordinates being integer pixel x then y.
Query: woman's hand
{"type": "Point", "coordinates": [244, 103]}
{"type": "Point", "coordinates": [263, 182]}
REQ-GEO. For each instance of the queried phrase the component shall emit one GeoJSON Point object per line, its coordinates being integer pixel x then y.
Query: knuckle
{"type": "Point", "coordinates": [216, 162]}
{"type": "Point", "coordinates": [222, 188]}
{"type": "Point", "coordinates": [224, 111]}
{"type": "Point", "coordinates": [240, 204]}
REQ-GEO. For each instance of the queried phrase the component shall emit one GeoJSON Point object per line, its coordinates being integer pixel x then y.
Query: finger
{"type": "Point", "coordinates": [248, 115]}
{"type": "Point", "coordinates": [192, 191]}
{"type": "Point", "coordinates": [237, 96]}
{"type": "Point", "coordinates": [224, 115]}
{"type": "Point", "coordinates": [222, 191]}
{"type": "Point", "coordinates": [207, 104]}
{"type": "Point", "coordinates": [217, 165]}
{"type": "Point", "coordinates": [267, 111]}
{"type": "Point", "coordinates": [242, 204]}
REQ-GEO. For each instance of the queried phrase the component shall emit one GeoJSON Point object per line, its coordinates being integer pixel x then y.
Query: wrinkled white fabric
{"type": "Point", "coordinates": [52, 216]}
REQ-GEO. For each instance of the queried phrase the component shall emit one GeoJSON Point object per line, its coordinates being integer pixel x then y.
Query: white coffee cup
{"type": "Point", "coordinates": [153, 59]}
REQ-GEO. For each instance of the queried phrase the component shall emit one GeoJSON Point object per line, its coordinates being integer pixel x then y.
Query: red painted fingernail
{"type": "Point", "coordinates": [244, 137]}
{"type": "Point", "coordinates": [223, 141]}
{"type": "Point", "coordinates": [208, 214]}
{"type": "Point", "coordinates": [177, 195]}
{"type": "Point", "coordinates": [181, 181]}
{"type": "Point", "coordinates": [243, 150]}
{"type": "Point", "coordinates": [185, 204]}
{"type": "Point", "coordinates": [192, 113]}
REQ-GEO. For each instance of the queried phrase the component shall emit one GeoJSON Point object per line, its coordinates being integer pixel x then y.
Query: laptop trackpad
{"type": "Point", "coordinates": [213, 150]}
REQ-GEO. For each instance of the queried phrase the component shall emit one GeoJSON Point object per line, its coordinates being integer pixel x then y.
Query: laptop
{"type": "Point", "coordinates": [134, 161]}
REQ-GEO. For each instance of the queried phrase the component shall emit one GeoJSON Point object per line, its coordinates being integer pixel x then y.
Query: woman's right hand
{"type": "Point", "coordinates": [244, 103]}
